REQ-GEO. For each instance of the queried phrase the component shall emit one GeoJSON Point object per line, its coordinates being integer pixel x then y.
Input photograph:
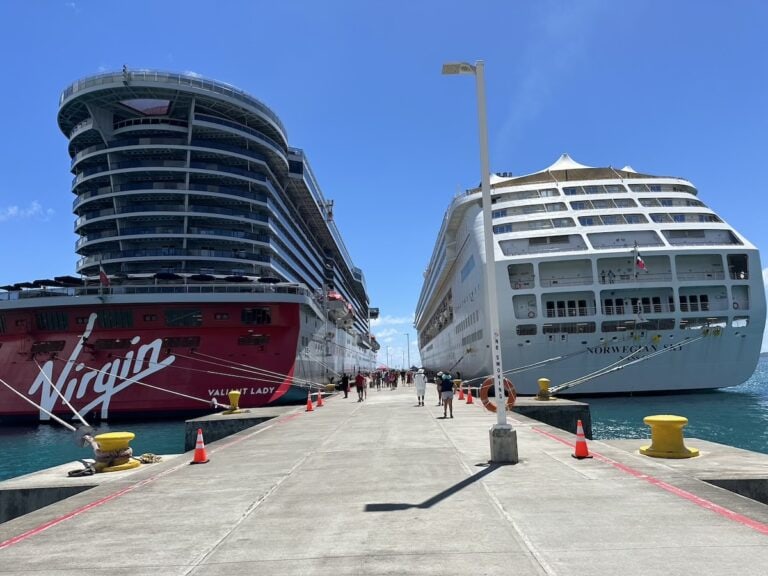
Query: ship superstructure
{"type": "Point", "coordinates": [200, 227]}
{"type": "Point", "coordinates": [608, 281]}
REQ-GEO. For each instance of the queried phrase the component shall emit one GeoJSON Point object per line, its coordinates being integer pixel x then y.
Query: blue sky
{"type": "Point", "coordinates": [671, 88]}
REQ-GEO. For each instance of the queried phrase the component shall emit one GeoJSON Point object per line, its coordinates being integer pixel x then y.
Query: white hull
{"type": "Point", "coordinates": [577, 296]}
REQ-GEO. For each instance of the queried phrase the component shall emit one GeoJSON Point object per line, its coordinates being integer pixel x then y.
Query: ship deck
{"type": "Point", "coordinates": [387, 487]}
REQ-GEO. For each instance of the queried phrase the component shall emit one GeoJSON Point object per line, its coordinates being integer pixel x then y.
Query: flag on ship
{"type": "Point", "coordinates": [103, 278]}
{"type": "Point", "coordinates": [639, 262]}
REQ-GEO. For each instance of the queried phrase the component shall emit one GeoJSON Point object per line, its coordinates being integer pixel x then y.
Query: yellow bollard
{"type": "Point", "coordinates": [667, 437]}
{"type": "Point", "coordinates": [544, 390]}
{"type": "Point", "coordinates": [114, 453]}
{"type": "Point", "coordinates": [234, 403]}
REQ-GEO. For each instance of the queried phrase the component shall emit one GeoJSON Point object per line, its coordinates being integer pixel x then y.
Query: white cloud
{"type": "Point", "coordinates": [191, 73]}
{"type": "Point", "coordinates": [71, 5]}
{"type": "Point", "coordinates": [33, 211]}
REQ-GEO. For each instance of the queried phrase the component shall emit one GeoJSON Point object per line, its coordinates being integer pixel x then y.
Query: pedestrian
{"type": "Point", "coordinates": [602, 276]}
{"type": "Point", "coordinates": [345, 384]}
{"type": "Point", "coordinates": [438, 381]}
{"type": "Point", "coordinates": [611, 276]}
{"type": "Point", "coordinates": [360, 385]}
{"type": "Point", "coordinates": [446, 390]}
{"type": "Point", "coordinates": [420, 379]}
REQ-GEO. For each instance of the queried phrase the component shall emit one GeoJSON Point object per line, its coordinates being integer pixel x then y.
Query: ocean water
{"type": "Point", "coordinates": [25, 449]}
{"type": "Point", "coordinates": [736, 416]}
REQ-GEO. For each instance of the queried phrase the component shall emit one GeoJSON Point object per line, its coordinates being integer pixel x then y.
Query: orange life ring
{"type": "Point", "coordinates": [508, 386]}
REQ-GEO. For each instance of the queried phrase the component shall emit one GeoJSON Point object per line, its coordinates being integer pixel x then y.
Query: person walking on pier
{"type": "Point", "coordinates": [345, 384]}
{"type": "Point", "coordinates": [360, 385]}
{"type": "Point", "coordinates": [446, 393]}
{"type": "Point", "coordinates": [420, 379]}
{"type": "Point", "coordinates": [438, 381]}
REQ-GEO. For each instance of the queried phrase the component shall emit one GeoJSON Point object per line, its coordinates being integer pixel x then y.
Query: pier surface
{"type": "Point", "coordinates": [387, 487]}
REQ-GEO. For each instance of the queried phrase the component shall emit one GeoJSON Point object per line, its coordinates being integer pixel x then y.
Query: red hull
{"type": "Point", "coordinates": [144, 369]}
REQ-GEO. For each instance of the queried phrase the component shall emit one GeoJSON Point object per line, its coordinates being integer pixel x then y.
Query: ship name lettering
{"type": "Point", "coordinates": [106, 382]}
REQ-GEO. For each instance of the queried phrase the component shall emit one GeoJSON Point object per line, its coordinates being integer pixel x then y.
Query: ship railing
{"type": "Point", "coordinates": [571, 311]}
{"type": "Point", "coordinates": [700, 275]}
{"type": "Point", "coordinates": [643, 277]}
{"type": "Point", "coordinates": [229, 288]}
{"type": "Point", "coordinates": [566, 281]}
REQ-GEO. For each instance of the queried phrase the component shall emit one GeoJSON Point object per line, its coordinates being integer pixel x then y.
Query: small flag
{"type": "Point", "coordinates": [639, 262]}
{"type": "Point", "coordinates": [103, 278]}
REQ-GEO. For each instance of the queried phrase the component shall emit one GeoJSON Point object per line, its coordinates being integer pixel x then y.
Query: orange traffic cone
{"type": "Point", "coordinates": [200, 457]}
{"type": "Point", "coordinates": [310, 408]}
{"type": "Point", "coordinates": [319, 398]}
{"type": "Point", "coordinates": [461, 393]}
{"type": "Point", "coordinates": [469, 395]}
{"type": "Point", "coordinates": [581, 450]}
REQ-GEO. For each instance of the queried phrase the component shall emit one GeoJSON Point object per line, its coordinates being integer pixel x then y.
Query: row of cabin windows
{"type": "Point", "coordinates": [656, 324]}
{"type": "Point", "coordinates": [54, 320]}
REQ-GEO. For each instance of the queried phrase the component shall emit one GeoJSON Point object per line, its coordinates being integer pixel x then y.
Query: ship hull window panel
{"type": "Point", "coordinates": [51, 320]}
{"type": "Point", "coordinates": [183, 317]}
{"type": "Point", "coordinates": [257, 315]}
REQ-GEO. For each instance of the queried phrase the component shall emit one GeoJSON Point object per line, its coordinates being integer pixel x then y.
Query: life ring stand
{"type": "Point", "coordinates": [486, 387]}
{"type": "Point", "coordinates": [531, 314]}
{"type": "Point", "coordinates": [735, 305]}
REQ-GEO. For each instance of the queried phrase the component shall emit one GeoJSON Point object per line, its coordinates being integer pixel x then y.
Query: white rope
{"type": "Point", "coordinates": [63, 398]}
{"type": "Point", "coordinates": [36, 405]}
{"type": "Point", "coordinates": [623, 364]}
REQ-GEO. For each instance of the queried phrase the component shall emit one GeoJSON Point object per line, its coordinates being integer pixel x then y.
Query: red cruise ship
{"type": "Point", "coordinates": [209, 261]}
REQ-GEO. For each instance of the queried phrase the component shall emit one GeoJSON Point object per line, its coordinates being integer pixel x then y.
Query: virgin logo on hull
{"type": "Point", "coordinates": [75, 380]}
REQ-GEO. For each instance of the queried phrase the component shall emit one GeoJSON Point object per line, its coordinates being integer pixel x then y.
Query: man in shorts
{"type": "Point", "coordinates": [446, 393]}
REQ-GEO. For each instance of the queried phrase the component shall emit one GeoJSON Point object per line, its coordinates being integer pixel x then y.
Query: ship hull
{"type": "Point", "coordinates": [151, 370]}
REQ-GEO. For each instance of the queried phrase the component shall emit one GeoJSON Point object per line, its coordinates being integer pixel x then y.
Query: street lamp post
{"type": "Point", "coordinates": [387, 357]}
{"type": "Point", "coordinates": [408, 348]}
{"type": "Point", "coordinates": [503, 436]}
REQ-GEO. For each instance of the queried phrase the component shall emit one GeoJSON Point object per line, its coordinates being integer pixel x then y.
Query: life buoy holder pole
{"type": "Point", "coordinates": [486, 387]}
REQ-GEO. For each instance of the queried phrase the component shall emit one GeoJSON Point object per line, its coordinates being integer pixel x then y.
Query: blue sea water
{"type": "Point", "coordinates": [736, 416]}
{"type": "Point", "coordinates": [25, 449]}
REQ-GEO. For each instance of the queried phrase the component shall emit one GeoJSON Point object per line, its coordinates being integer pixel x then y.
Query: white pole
{"type": "Point", "coordinates": [490, 260]}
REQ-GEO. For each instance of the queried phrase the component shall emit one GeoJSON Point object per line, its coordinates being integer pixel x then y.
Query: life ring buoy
{"type": "Point", "coordinates": [735, 305]}
{"type": "Point", "coordinates": [531, 314]}
{"type": "Point", "coordinates": [486, 387]}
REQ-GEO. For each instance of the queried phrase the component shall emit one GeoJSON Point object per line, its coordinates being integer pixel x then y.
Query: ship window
{"type": "Point", "coordinates": [112, 344]}
{"type": "Point", "coordinates": [569, 328]}
{"type": "Point", "coordinates": [261, 315]}
{"type": "Point", "coordinates": [183, 317]}
{"type": "Point", "coordinates": [253, 340]}
{"type": "Point", "coordinates": [221, 316]}
{"type": "Point", "coordinates": [638, 187]}
{"type": "Point", "coordinates": [48, 346]}
{"type": "Point", "coordinates": [499, 213]}
{"type": "Point", "coordinates": [649, 202]}
{"type": "Point", "coordinates": [526, 329]}
{"type": "Point", "coordinates": [182, 342]}
{"type": "Point", "coordinates": [502, 229]}
{"type": "Point", "coordinates": [53, 320]}
{"type": "Point", "coordinates": [150, 317]}
{"type": "Point", "coordinates": [115, 319]}
{"type": "Point", "coordinates": [572, 191]}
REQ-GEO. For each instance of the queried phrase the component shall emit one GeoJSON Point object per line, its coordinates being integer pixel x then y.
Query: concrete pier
{"type": "Point", "coordinates": [388, 487]}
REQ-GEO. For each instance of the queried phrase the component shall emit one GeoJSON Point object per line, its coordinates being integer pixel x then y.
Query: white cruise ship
{"type": "Point", "coordinates": [609, 282]}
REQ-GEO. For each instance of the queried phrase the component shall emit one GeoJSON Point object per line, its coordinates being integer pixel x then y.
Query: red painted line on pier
{"type": "Point", "coordinates": [701, 502]}
{"type": "Point", "coordinates": [97, 503]}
